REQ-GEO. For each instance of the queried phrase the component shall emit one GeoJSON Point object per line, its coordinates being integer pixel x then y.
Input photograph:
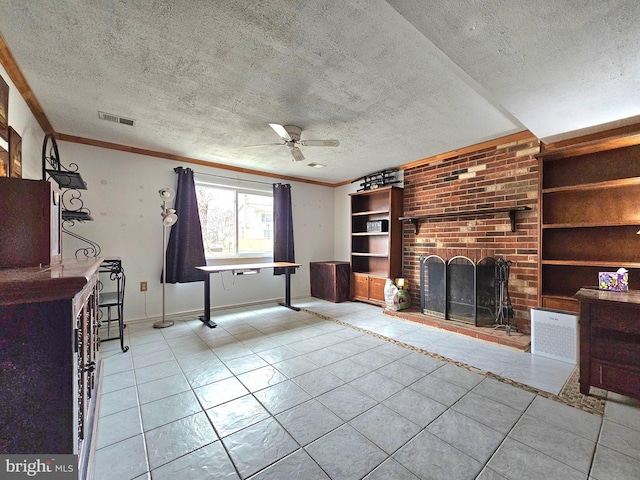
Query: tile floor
{"type": "Point", "coordinates": [281, 395]}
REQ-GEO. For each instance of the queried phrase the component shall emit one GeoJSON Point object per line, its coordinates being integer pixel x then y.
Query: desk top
{"type": "Point", "coordinates": [247, 266]}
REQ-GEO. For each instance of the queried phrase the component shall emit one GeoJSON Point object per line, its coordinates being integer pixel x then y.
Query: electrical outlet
{"type": "Point", "coordinates": [143, 286]}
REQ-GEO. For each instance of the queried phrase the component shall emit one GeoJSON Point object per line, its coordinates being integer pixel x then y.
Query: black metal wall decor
{"type": "Point", "coordinates": [70, 182]}
{"type": "Point", "coordinates": [378, 179]}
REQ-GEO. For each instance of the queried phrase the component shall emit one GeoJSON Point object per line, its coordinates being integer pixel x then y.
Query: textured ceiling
{"type": "Point", "coordinates": [394, 81]}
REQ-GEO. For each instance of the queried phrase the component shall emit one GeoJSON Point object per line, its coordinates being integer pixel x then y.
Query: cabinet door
{"type": "Point", "coordinates": [321, 280]}
{"type": "Point", "coordinates": [360, 286]}
{"type": "Point", "coordinates": [376, 288]}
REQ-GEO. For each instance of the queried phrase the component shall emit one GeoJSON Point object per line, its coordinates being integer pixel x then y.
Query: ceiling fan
{"type": "Point", "coordinates": [290, 135]}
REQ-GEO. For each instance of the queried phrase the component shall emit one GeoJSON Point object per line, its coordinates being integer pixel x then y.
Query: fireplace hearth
{"type": "Point", "coordinates": [459, 289]}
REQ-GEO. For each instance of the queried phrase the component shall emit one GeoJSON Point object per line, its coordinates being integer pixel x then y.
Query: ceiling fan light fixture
{"type": "Point", "coordinates": [297, 154]}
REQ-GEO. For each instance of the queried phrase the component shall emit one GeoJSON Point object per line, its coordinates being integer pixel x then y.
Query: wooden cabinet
{"type": "Point", "coordinates": [610, 341]}
{"type": "Point", "coordinates": [376, 241]}
{"type": "Point", "coordinates": [49, 355]}
{"type": "Point", "coordinates": [589, 201]}
{"type": "Point", "coordinates": [330, 280]}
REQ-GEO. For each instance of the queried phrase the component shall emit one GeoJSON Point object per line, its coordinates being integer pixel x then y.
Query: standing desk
{"type": "Point", "coordinates": [244, 269]}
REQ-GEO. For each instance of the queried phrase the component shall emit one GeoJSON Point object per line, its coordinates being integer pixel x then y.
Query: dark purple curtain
{"type": "Point", "coordinates": [283, 250]}
{"type": "Point", "coordinates": [185, 249]}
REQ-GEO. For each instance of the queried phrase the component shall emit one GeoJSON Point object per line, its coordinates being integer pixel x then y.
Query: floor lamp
{"type": "Point", "coordinates": [169, 218]}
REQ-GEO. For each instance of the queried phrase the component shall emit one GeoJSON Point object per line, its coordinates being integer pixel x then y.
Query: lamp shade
{"type": "Point", "coordinates": [169, 219]}
{"type": "Point", "coordinates": [167, 193]}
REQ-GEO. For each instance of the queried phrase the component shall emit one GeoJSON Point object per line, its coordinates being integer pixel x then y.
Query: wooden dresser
{"type": "Point", "coordinates": [610, 341]}
{"type": "Point", "coordinates": [49, 359]}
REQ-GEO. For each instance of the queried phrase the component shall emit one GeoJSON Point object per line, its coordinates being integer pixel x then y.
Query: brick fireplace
{"type": "Point", "coordinates": [495, 177]}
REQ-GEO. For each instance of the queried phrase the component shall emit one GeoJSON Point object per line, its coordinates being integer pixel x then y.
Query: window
{"type": "Point", "coordinates": [235, 222]}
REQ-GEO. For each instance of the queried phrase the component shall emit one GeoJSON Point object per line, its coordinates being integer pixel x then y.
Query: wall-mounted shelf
{"type": "Point", "coordinates": [415, 220]}
{"type": "Point", "coordinates": [71, 183]}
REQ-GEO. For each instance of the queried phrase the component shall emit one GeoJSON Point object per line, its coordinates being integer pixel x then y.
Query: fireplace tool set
{"type": "Point", "coordinates": [504, 308]}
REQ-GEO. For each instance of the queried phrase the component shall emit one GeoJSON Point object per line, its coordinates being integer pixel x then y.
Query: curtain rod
{"type": "Point", "coordinates": [232, 178]}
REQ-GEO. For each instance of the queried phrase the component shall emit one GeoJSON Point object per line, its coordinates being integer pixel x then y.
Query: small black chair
{"type": "Point", "coordinates": [112, 276]}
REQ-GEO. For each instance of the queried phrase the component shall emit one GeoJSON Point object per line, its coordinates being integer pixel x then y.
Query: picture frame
{"type": "Point", "coordinates": [4, 109]}
{"type": "Point", "coordinates": [15, 154]}
{"type": "Point", "coordinates": [4, 163]}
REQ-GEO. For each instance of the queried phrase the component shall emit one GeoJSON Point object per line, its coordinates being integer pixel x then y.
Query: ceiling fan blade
{"type": "Point", "coordinates": [280, 130]}
{"type": "Point", "coordinates": [319, 143]}
{"type": "Point", "coordinates": [265, 145]}
{"type": "Point", "coordinates": [297, 154]}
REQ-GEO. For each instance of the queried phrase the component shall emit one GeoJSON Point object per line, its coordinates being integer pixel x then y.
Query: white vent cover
{"type": "Point", "coordinates": [554, 334]}
{"type": "Point", "coordinates": [110, 117]}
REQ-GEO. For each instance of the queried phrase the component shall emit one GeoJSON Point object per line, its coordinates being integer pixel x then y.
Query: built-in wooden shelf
{"type": "Point", "coordinates": [591, 225]}
{"type": "Point", "coordinates": [370, 212]}
{"type": "Point", "coordinates": [375, 256]}
{"type": "Point", "coordinates": [594, 146]}
{"type": "Point", "coordinates": [589, 197]}
{"type": "Point", "coordinates": [415, 220]}
{"type": "Point", "coordinates": [623, 182]}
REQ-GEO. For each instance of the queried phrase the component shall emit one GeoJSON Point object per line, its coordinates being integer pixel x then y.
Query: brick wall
{"type": "Point", "coordinates": [502, 176]}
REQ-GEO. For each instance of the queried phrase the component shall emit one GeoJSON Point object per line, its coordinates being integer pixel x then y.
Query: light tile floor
{"type": "Point", "coordinates": [273, 394]}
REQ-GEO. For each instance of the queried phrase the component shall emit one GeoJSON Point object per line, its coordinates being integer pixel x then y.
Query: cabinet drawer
{"type": "Point", "coordinates": [556, 303]}
{"type": "Point", "coordinates": [615, 378]}
{"type": "Point", "coordinates": [617, 318]}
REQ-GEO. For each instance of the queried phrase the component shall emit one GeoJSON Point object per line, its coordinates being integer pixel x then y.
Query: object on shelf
{"type": "Point", "coordinates": [378, 226]}
{"type": "Point", "coordinates": [378, 179]}
{"type": "Point", "coordinates": [618, 280]}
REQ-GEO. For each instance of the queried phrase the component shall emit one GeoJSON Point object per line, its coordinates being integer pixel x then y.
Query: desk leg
{"type": "Point", "coordinates": [206, 318]}
{"type": "Point", "coordinates": [287, 291]}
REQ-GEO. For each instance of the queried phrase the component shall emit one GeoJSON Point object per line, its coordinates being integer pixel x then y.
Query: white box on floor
{"type": "Point", "coordinates": [554, 334]}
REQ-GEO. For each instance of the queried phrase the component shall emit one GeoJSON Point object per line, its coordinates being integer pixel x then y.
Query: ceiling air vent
{"type": "Point", "coordinates": [110, 117]}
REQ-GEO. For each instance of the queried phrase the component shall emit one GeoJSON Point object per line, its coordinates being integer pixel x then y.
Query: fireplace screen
{"type": "Point", "coordinates": [432, 291]}
{"type": "Point", "coordinates": [459, 289]}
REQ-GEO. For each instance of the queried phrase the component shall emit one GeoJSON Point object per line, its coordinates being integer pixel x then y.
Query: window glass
{"type": "Point", "coordinates": [235, 222]}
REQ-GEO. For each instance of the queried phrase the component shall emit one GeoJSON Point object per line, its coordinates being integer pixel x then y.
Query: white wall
{"type": "Point", "coordinates": [342, 221]}
{"type": "Point", "coordinates": [123, 198]}
{"type": "Point", "coordinates": [25, 124]}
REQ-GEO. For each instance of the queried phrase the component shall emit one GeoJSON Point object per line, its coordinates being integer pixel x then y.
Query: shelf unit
{"type": "Point", "coordinates": [590, 216]}
{"type": "Point", "coordinates": [375, 256]}
{"type": "Point", "coordinates": [70, 183]}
